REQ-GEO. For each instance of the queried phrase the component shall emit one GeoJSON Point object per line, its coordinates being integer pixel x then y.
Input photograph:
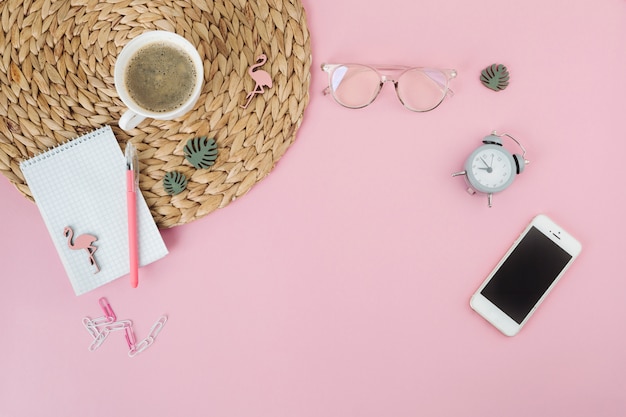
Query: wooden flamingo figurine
{"type": "Point", "coordinates": [82, 242]}
{"type": "Point", "coordinates": [260, 77]}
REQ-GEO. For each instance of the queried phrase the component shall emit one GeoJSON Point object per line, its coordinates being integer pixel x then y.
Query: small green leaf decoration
{"type": "Point", "coordinates": [495, 77]}
{"type": "Point", "coordinates": [174, 182]}
{"type": "Point", "coordinates": [201, 152]}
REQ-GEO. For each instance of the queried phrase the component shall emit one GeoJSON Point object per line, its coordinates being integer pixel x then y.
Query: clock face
{"type": "Point", "coordinates": [490, 169]}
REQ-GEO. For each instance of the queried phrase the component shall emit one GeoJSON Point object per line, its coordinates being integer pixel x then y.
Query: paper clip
{"type": "Point", "coordinates": [99, 340]}
{"type": "Point", "coordinates": [100, 328]}
{"type": "Point", "coordinates": [100, 336]}
{"type": "Point", "coordinates": [118, 325]}
{"type": "Point", "coordinates": [93, 331]}
{"type": "Point", "coordinates": [109, 318]}
{"type": "Point", "coordinates": [98, 321]}
{"type": "Point", "coordinates": [149, 340]}
{"type": "Point", "coordinates": [106, 307]}
{"type": "Point", "coordinates": [130, 338]}
{"type": "Point", "coordinates": [93, 325]}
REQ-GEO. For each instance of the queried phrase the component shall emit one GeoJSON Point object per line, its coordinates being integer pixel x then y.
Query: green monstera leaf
{"type": "Point", "coordinates": [174, 182]}
{"type": "Point", "coordinates": [201, 152]}
{"type": "Point", "coordinates": [495, 77]}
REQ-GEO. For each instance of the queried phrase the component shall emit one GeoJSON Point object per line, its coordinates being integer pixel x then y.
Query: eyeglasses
{"type": "Point", "coordinates": [419, 89]}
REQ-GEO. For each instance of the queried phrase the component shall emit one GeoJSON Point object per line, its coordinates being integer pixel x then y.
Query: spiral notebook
{"type": "Point", "coordinates": [80, 189]}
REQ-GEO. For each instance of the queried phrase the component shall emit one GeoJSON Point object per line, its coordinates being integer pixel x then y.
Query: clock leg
{"type": "Point", "coordinates": [489, 199]}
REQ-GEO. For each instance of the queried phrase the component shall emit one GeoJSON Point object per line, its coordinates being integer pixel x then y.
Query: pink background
{"type": "Point", "coordinates": [339, 285]}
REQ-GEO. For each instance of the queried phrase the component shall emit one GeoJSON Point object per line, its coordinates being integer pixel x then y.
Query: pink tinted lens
{"type": "Point", "coordinates": [354, 85]}
{"type": "Point", "coordinates": [422, 89]}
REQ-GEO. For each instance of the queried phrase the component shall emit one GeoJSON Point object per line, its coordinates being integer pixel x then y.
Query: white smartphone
{"type": "Point", "coordinates": [525, 275]}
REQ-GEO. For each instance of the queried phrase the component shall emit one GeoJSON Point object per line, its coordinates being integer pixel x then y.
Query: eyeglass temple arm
{"type": "Point", "coordinates": [451, 74]}
{"type": "Point", "coordinates": [326, 68]}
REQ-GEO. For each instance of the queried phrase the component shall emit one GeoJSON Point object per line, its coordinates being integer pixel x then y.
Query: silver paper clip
{"type": "Point", "coordinates": [149, 340]}
{"type": "Point", "coordinates": [93, 331]}
{"type": "Point", "coordinates": [98, 321]}
{"type": "Point", "coordinates": [100, 336]}
{"type": "Point", "coordinates": [93, 325]}
{"type": "Point", "coordinates": [98, 340]}
{"type": "Point", "coordinates": [119, 325]}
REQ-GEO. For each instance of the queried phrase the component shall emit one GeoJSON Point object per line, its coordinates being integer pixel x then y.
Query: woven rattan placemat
{"type": "Point", "coordinates": [56, 75]}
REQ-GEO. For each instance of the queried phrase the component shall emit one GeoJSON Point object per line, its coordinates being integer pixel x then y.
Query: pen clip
{"type": "Point", "coordinates": [132, 161]}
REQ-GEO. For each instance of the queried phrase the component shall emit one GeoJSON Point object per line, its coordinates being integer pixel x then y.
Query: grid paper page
{"type": "Point", "coordinates": [82, 184]}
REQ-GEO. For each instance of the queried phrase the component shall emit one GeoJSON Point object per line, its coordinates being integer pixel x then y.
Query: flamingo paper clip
{"type": "Point", "coordinates": [260, 77]}
{"type": "Point", "coordinates": [82, 242]}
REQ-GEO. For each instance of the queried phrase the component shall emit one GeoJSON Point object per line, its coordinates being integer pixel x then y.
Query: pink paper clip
{"type": "Point", "coordinates": [106, 307]}
{"type": "Point", "coordinates": [130, 337]}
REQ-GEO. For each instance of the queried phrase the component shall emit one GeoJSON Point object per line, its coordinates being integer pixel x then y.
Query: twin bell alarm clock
{"type": "Point", "coordinates": [491, 168]}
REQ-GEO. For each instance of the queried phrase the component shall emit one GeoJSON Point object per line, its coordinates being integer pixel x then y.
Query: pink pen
{"type": "Point", "coordinates": [132, 185]}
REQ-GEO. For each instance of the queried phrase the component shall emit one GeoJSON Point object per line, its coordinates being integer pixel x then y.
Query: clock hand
{"type": "Point", "coordinates": [488, 169]}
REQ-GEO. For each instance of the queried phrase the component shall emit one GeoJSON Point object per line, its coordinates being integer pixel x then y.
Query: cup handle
{"type": "Point", "coordinates": [130, 120]}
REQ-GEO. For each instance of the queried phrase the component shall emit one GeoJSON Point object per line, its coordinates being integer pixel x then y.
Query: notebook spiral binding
{"type": "Point", "coordinates": [70, 143]}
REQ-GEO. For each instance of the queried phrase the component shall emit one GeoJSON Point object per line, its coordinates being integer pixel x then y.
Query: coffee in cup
{"type": "Point", "coordinates": [158, 75]}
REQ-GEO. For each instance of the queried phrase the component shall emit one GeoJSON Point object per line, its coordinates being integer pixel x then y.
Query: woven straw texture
{"type": "Point", "coordinates": [56, 75]}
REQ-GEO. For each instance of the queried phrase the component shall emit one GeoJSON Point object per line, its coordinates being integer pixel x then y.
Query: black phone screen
{"type": "Point", "coordinates": [526, 274]}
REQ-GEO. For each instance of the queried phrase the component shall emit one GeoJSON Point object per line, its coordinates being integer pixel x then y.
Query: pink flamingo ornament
{"type": "Point", "coordinates": [82, 242]}
{"type": "Point", "coordinates": [260, 77]}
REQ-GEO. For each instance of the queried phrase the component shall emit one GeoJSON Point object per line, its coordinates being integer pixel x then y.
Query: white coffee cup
{"type": "Point", "coordinates": [136, 113]}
